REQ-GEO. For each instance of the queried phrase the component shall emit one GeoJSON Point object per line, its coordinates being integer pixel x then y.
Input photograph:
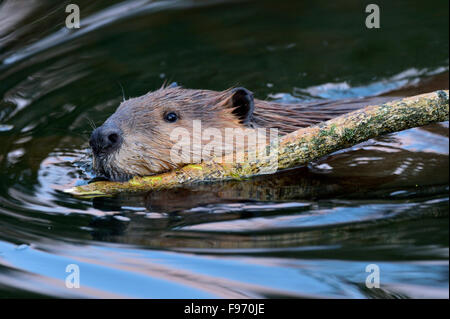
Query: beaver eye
{"type": "Point", "coordinates": [171, 117]}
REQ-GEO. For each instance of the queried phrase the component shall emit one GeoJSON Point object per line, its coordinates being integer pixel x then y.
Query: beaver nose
{"type": "Point", "coordinates": [105, 139]}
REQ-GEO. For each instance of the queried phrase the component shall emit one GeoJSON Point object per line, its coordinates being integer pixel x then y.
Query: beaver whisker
{"type": "Point", "coordinates": [123, 92]}
{"type": "Point", "coordinates": [91, 123]}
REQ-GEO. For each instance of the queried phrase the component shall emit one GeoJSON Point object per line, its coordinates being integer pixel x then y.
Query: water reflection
{"type": "Point", "coordinates": [150, 273]}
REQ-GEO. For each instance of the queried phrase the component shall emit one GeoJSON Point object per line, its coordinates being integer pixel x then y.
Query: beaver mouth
{"type": "Point", "coordinates": [112, 176]}
{"type": "Point", "coordinates": [104, 170]}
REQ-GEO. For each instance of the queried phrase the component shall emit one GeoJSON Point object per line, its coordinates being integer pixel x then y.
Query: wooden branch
{"type": "Point", "coordinates": [297, 148]}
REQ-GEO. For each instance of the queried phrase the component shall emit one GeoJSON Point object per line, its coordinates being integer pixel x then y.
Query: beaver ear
{"type": "Point", "coordinates": [242, 103]}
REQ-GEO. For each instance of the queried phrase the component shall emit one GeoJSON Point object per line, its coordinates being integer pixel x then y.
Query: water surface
{"type": "Point", "coordinates": [308, 232]}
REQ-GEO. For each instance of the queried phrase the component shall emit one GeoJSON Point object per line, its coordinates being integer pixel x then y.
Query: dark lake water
{"type": "Point", "coordinates": [308, 232]}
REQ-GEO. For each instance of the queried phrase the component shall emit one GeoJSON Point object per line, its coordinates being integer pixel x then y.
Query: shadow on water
{"type": "Point", "coordinates": [307, 232]}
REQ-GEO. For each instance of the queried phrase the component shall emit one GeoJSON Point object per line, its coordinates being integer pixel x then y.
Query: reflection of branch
{"type": "Point", "coordinates": [297, 148]}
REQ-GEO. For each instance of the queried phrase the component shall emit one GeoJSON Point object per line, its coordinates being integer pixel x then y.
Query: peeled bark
{"type": "Point", "coordinates": [297, 148]}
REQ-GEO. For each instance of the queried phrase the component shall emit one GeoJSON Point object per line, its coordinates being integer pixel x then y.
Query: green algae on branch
{"type": "Point", "coordinates": [297, 148]}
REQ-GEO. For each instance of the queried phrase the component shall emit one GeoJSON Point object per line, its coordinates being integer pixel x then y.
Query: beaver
{"type": "Point", "coordinates": [137, 139]}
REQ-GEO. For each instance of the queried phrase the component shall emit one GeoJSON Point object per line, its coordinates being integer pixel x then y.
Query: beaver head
{"type": "Point", "coordinates": [138, 139]}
